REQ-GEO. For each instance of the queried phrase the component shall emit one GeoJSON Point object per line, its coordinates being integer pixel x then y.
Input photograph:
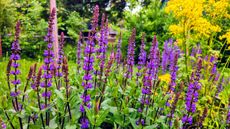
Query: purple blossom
{"type": "Point", "coordinates": [142, 56]}
{"type": "Point", "coordinates": [228, 118]}
{"type": "Point", "coordinates": [154, 60]}
{"type": "Point", "coordinates": [46, 94]}
{"type": "Point", "coordinates": [82, 109]}
{"type": "Point", "coordinates": [84, 123]}
{"type": "Point", "coordinates": [15, 94]}
{"type": "Point", "coordinates": [220, 86]}
{"type": "Point", "coordinates": [192, 94]}
{"type": "Point", "coordinates": [86, 98]}
{"type": "Point", "coordinates": [88, 68]}
{"type": "Point", "coordinates": [166, 54]}
{"type": "Point", "coordinates": [130, 55]}
{"type": "Point", "coordinates": [48, 66]}
{"type": "Point", "coordinates": [173, 106]}
{"type": "Point", "coordinates": [3, 125]}
{"type": "Point", "coordinates": [118, 53]}
{"type": "Point", "coordinates": [60, 61]}
{"type": "Point", "coordinates": [15, 48]}
{"type": "Point", "coordinates": [94, 23]}
{"type": "Point", "coordinates": [79, 44]}
{"type": "Point", "coordinates": [173, 68]}
{"type": "Point", "coordinates": [151, 74]}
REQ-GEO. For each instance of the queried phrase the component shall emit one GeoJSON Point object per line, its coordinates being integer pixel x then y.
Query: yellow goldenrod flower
{"type": "Point", "coordinates": [165, 78]}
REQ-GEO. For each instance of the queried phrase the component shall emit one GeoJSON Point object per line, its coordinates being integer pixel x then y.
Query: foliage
{"type": "Point", "coordinates": [150, 19]}
{"type": "Point", "coordinates": [7, 16]}
{"type": "Point", "coordinates": [198, 20]}
{"type": "Point", "coordinates": [113, 8]}
{"type": "Point", "coordinates": [74, 24]}
{"type": "Point", "coordinates": [169, 87]}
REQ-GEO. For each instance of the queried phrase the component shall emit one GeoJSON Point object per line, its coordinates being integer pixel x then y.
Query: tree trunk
{"type": "Point", "coordinates": [55, 29]}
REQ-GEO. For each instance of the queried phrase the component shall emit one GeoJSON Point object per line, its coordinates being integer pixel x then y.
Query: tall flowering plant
{"type": "Point", "coordinates": [192, 95]}
{"type": "Point", "coordinates": [118, 52]}
{"type": "Point", "coordinates": [48, 66]}
{"type": "Point", "coordinates": [142, 56]}
{"type": "Point", "coordinates": [15, 56]}
{"type": "Point", "coordinates": [130, 55]}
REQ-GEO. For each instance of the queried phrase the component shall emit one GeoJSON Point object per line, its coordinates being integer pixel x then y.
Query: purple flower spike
{"type": "Point", "coordinates": [166, 55]}
{"type": "Point", "coordinates": [103, 42]}
{"type": "Point", "coordinates": [192, 95]}
{"type": "Point", "coordinates": [142, 56]}
{"type": "Point", "coordinates": [118, 53]}
{"type": "Point", "coordinates": [84, 123]}
{"type": "Point", "coordinates": [48, 66]}
{"type": "Point", "coordinates": [173, 68]}
{"type": "Point", "coordinates": [95, 19]}
{"type": "Point", "coordinates": [79, 44]}
{"type": "Point", "coordinates": [15, 56]}
{"type": "Point", "coordinates": [149, 76]}
{"type": "Point", "coordinates": [220, 86]}
{"type": "Point", "coordinates": [130, 55]}
{"type": "Point", "coordinates": [3, 125]}
{"type": "Point", "coordinates": [58, 71]}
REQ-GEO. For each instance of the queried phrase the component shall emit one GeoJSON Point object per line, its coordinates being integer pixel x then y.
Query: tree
{"type": "Point", "coordinates": [7, 16]}
{"type": "Point", "coordinates": [113, 8]}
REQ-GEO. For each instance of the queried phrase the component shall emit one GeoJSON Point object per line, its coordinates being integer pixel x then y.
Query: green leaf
{"type": "Point", "coordinates": [53, 124]}
{"type": "Point", "coordinates": [151, 126]}
{"type": "Point", "coordinates": [102, 115]}
{"type": "Point", "coordinates": [59, 94]}
{"type": "Point", "coordinates": [70, 126]}
{"type": "Point", "coordinates": [90, 115]}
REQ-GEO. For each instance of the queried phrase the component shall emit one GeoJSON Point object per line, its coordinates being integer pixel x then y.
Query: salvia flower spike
{"type": "Point", "coordinates": [48, 66]}
{"type": "Point", "coordinates": [142, 56]}
{"type": "Point", "coordinates": [130, 55]}
{"type": "Point", "coordinates": [79, 45]}
{"type": "Point", "coordinates": [192, 95]}
{"type": "Point", "coordinates": [118, 52]}
{"type": "Point", "coordinates": [87, 84]}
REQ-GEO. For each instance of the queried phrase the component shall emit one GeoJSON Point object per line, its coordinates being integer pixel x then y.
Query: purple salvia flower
{"type": "Point", "coordinates": [154, 59]}
{"type": "Point", "coordinates": [220, 86]}
{"type": "Point", "coordinates": [228, 118]}
{"type": "Point", "coordinates": [193, 53]}
{"type": "Point", "coordinates": [118, 53]}
{"type": "Point", "coordinates": [192, 95]}
{"type": "Point", "coordinates": [103, 42]}
{"type": "Point", "coordinates": [166, 55]}
{"type": "Point", "coordinates": [87, 84]}
{"type": "Point", "coordinates": [152, 66]}
{"type": "Point", "coordinates": [60, 53]}
{"type": "Point", "coordinates": [130, 54]}
{"type": "Point", "coordinates": [173, 69]}
{"type": "Point", "coordinates": [58, 71]}
{"type": "Point", "coordinates": [84, 123]}
{"type": "Point", "coordinates": [173, 107]}
{"type": "Point", "coordinates": [3, 125]}
{"type": "Point", "coordinates": [79, 44]}
{"type": "Point", "coordinates": [48, 65]}
{"type": "Point", "coordinates": [142, 56]}
{"type": "Point", "coordinates": [15, 56]}
{"type": "Point", "coordinates": [94, 23]}
{"type": "Point", "coordinates": [202, 118]}
{"type": "Point", "coordinates": [228, 115]}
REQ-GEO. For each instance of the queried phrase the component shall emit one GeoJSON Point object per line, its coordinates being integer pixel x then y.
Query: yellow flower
{"type": "Point", "coordinates": [227, 36]}
{"type": "Point", "coordinates": [175, 29]}
{"type": "Point", "coordinates": [165, 78]}
{"type": "Point", "coordinates": [197, 19]}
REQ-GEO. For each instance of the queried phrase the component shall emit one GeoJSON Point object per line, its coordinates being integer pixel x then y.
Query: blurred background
{"type": "Point", "coordinates": [177, 20]}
